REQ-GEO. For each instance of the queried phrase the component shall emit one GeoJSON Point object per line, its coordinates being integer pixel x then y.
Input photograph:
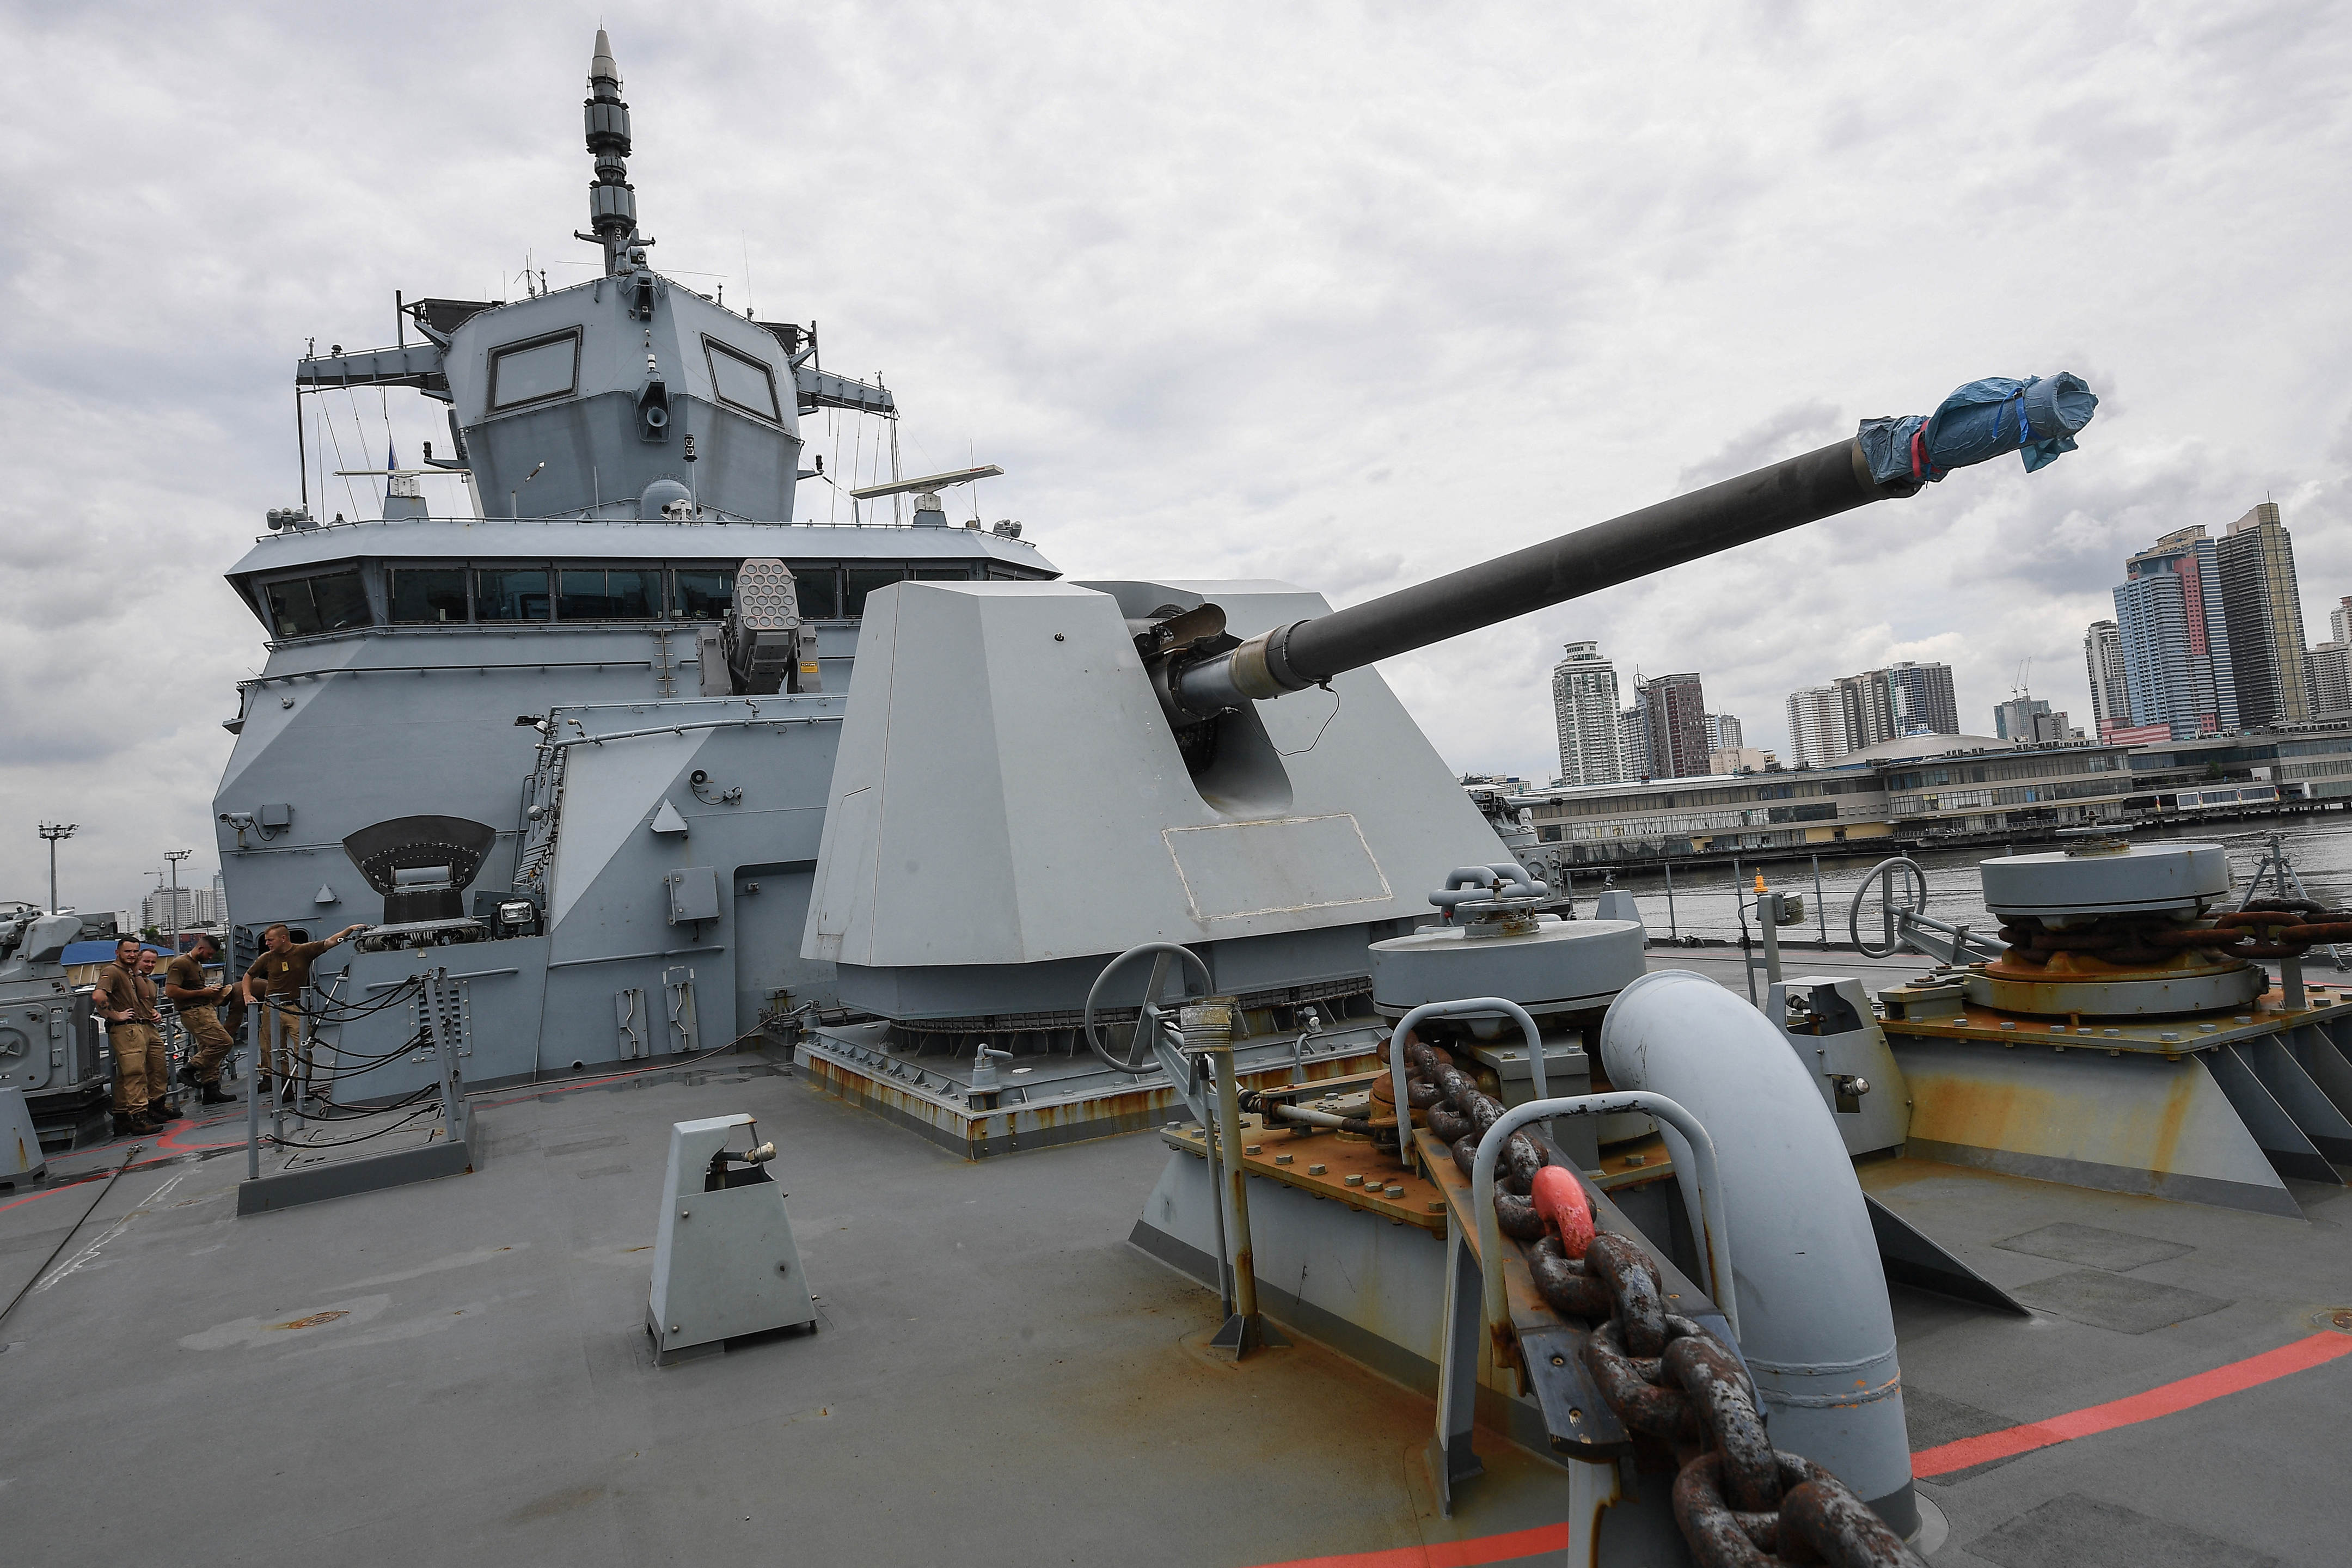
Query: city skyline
{"type": "Point", "coordinates": [1600, 741]}
{"type": "Point", "coordinates": [2207, 637]}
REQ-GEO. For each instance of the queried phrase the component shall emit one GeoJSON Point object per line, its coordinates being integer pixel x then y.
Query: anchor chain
{"type": "Point", "coordinates": [1740, 1502]}
{"type": "Point", "coordinates": [2279, 928]}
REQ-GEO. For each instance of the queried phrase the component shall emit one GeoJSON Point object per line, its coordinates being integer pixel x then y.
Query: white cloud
{"type": "Point", "coordinates": [1350, 295]}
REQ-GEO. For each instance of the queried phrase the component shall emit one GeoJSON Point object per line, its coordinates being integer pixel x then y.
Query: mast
{"type": "Point", "coordinates": [612, 200]}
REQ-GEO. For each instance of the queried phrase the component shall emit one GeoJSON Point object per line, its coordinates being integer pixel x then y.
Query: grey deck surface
{"type": "Point", "coordinates": [2130, 1293]}
{"type": "Point", "coordinates": [1000, 1378]}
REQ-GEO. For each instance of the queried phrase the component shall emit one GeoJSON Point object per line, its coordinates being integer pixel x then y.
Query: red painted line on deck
{"type": "Point", "coordinates": [1536, 1543]}
{"type": "Point", "coordinates": [164, 1141]}
{"type": "Point", "coordinates": [2313, 1350]}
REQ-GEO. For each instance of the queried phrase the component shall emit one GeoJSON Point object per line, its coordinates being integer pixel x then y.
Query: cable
{"type": "Point", "coordinates": [371, 1063]}
{"type": "Point", "coordinates": [368, 1064]}
{"type": "Point", "coordinates": [344, 1142]}
{"type": "Point", "coordinates": [359, 1113]}
{"type": "Point", "coordinates": [334, 1010]}
{"type": "Point", "coordinates": [128, 1155]}
{"type": "Point", "coordinates": [1324, 725]}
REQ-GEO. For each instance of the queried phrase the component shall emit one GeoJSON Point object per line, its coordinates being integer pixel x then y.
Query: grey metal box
{"type": "Point", "coordinates": [693, 894]}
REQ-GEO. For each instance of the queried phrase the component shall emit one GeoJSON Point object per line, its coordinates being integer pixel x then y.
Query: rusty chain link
{"type": "Point", "coordinates": [1740, 1502]}
{"type": "Point", "coordinates": [2286, 928]}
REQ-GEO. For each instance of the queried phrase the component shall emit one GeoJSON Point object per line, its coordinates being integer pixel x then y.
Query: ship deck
{"type": "Point", "coordinates": [458, 1370]}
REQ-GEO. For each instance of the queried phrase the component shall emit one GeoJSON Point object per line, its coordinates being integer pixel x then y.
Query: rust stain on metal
{"type": "Point", "coordinates": [1418, 1201]}
{"type": "Point", "coordinates": [2173, 1119]}
{"type": "Point", "coordinates": [312, 1321]}
{"type": "Point", "coordinates": [1949, 1108]}
{"type": "Point", "coordinates": [1025, 1124]}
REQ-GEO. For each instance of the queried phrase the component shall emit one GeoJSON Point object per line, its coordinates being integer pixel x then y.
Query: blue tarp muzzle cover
{"type": "Point", "coordinates": [2036, 418]}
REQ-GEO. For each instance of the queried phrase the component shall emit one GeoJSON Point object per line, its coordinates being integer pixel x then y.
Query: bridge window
{"type": "Point", "coordinates": [820, 589]}
{"type": "Point", "coordinates": [701, 592]}
{"type": "Point", "coordinates": [608, 593]}
{"type": "Point", "coordinates": [535, 371]}
{"type": "Point", "coordinates": [422, 595]}
{"type": "Point", "coordinates": [864, 580]}
{"type": "Point", "coordinates": [741, 380]}
{"type": "Point", "coordinates": [510, 593]}
{"type": "Point", "coordinates": [305, 606]}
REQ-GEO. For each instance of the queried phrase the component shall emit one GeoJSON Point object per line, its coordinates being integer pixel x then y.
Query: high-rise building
{"type": "Point", "coordinates": [169, 909]}
{"type": "Point", "coordinates": [2013, 719]}
{"type": "Point", "coordinates": [1633, 742]}
{"type": "Point", "coordinates": [1922, 698]}
{"type": "Point", "coordinates": [2102, 660]}
{"type": "Point", "coordinates": [2028, 721]}
{"type": "Point", "coordinates": [1817, 732]}
{"type": "Point", "coordinates": [1869, 712]}
{"type": "Point", "coordinates": [1677, 713]}
{"type": "Point", "coordinates": [2331, 681]}
{"type": "Point", "coordinates": [2264, 609]}
{"type": "Point", "coordinates": [1584, 712]}
{"type": "Point", "coordinates": [1724, 733]}
{"type": "Point", "coordinates": [2339, 621]}
{"type": "Point", "coordinates": [1903, 699]}
{"type": "Point", "coordinates": [2176, 637]}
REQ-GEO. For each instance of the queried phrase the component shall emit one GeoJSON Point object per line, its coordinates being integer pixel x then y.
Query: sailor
{"type": "Point", "coordinates": [161, 1105]}
{"type": "Point", "coordinates": [281, 972]}
{"type": "Point", "coordinates": [188, 989]}
{"type": "Point", "coordinates": [125, 998]}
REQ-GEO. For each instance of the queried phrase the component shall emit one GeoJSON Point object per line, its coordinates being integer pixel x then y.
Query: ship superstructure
{"type": "Point", "coordinates": [585, 730]}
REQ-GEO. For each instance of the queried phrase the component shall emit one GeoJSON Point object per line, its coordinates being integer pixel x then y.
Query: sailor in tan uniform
{"type": "Point", "coordinates": [126, 1000]}
{"type": "Point", "coordinates": [187, 987]}
{"type": "Point", "coordinates": [281, 972]}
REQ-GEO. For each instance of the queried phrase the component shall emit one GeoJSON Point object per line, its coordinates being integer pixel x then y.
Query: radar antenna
{"type": "Point", "coordinates": [612, 200]}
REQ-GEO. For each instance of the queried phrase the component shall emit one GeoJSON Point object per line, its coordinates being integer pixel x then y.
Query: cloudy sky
{"type": "Point", "coordinates": [1348, 295]}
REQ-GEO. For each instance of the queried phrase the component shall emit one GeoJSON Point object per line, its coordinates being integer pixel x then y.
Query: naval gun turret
{"type": "Point", "coordinates": [1033, 778]}
{"type": "Point", "coordinates": [51, 1046]}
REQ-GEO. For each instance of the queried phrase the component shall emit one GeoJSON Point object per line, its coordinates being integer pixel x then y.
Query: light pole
{"type": "Point", "coordinates": [175, 857]}
{"type": "Point", "coordinates": [53, 831]}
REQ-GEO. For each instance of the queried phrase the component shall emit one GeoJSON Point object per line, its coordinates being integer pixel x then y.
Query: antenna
{"type": "Point", "coordinates": [612, 200]}
{"type": "Point", "coordinates": [927, 482]}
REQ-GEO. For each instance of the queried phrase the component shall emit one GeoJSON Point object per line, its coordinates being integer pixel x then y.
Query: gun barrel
{"type": "Point", "coordinates": [1753, 506]}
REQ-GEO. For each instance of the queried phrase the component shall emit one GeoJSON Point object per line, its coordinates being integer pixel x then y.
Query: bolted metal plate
{"type": "Point", "coordinates": [2145, 877]}
{"type": "Point", "coordinates": [1560, 966]}
{"type": "Point", "coordinates": [1575, 1418]}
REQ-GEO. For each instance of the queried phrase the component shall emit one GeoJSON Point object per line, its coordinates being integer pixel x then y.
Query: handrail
{"type": "Point", "coordinates": [1712, 1227]}
{"type": "Point", "coordinates": [1471, 1007]}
